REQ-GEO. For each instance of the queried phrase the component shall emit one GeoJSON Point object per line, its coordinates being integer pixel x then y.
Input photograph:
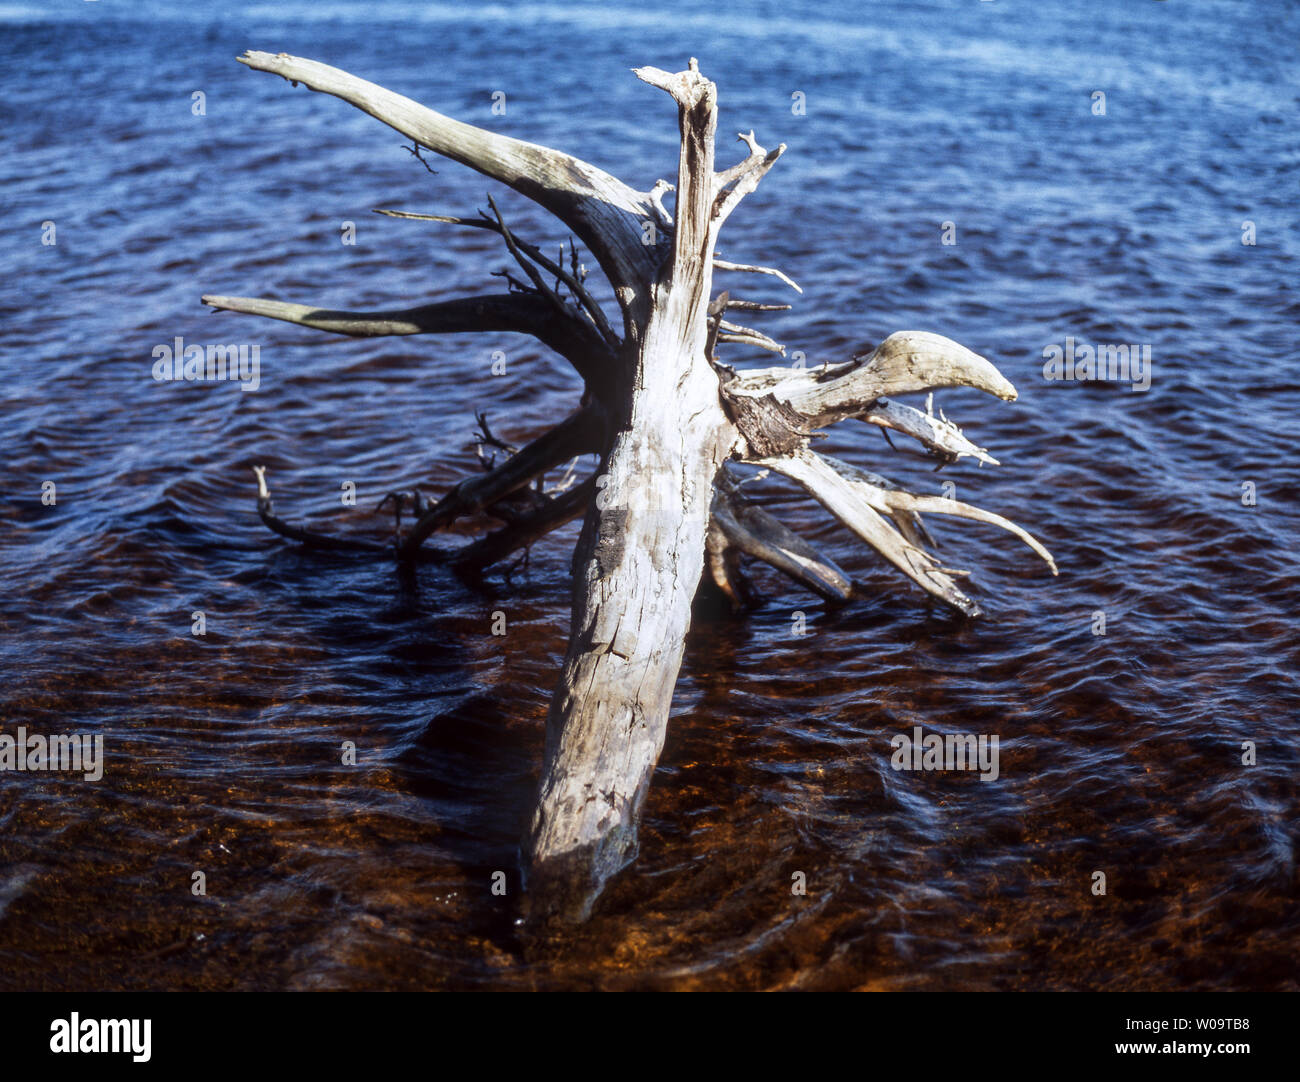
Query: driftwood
{"type": "Point", "coordinates": [670, 423]}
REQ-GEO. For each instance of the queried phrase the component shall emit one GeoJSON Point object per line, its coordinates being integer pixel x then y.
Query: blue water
{"type": "Point", "coordinates": [1121, 752]}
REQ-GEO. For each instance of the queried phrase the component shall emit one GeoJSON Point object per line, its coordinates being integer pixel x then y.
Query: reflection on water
{"type": "Point", "coordinates": [1119, 753]}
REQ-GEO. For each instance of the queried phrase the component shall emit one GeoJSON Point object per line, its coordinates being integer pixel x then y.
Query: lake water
{"type": "Point", "coordinates": [1173, 512]}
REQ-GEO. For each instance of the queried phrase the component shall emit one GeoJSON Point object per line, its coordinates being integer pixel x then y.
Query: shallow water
{"type": "Point", "coordinates": [1120, 753]}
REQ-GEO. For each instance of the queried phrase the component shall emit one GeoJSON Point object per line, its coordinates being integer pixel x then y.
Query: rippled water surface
{"type": "Point", "coordinates": [1120, 753]}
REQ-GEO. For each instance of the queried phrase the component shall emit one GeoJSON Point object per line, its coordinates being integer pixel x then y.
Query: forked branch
{"type": "Point", "coordinates": [571, 279]}
{"type": "Point", "coordinates": [581, 433]}
{"type": "Point", "coordinates": [606, 213]}
{"type": "Point", "coordinates": [751, 530]}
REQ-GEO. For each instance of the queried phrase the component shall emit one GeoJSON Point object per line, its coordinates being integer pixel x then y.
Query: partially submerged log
{"type": "Point", "coordinates": [669, 422]}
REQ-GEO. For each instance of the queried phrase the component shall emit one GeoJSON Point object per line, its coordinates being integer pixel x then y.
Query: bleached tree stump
{"type": "Point", "coordinates": [669, 422]}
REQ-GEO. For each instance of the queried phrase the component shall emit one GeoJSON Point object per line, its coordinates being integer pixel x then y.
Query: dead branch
{"type": "Point", "coordinates": [603, 211]}
{"type": "Point", "coordinates": [521, 313]}
{"type": "Point", "coordinates": [751, 530]}
{"type": "Point", "coordinates": [840, 497]}
{"type": "Point", "coordinates": [904, 362]}
{"type": "Point", "coordinates": [572, 278]}
{"type": "Point", "coordinates": [553, 513]}
{"type": "Point", "coordinates": [308, 538]}
{"type": "Point", "coordinates": [581, 433]}
{"type": "Point", "coordinates": [725, 265]}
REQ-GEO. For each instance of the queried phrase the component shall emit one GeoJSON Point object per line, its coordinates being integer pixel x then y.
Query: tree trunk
{"type": "Point", "coordinates": [639, 561]}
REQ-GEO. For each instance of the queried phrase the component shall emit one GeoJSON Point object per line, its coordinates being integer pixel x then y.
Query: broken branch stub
{"type": "Point", "coordinates": [668, 420]}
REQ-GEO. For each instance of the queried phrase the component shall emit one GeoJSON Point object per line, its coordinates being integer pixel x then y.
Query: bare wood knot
{"type": "Point", "coordinates": [770, 427]}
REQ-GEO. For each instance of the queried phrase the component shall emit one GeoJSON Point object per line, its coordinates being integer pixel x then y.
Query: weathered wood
{"type": "Point", "coordinates": [572, 278]}
{"type": "Point", "coordinates": [887, 498]}
{"type": "Point", "coordinates": [520, 313]}
{"type": "Point", "coordinates": [307, 538]}
{"type": "Point", "coordinates": [842, 498]}
{"type": "Point", "coordinates": [937, 433]}
{"type": "Point", "coordinates": [754, 532]}
{"type": "Point", "coordinates": [640, 558]}
{"type": "Point", "coordinates": [666, 416]}
{"type": "Point", "coordinates": [603, 211]}
{"type": "Point", "coordinates": [582, 433]}
{"type": "Point", "coordinates": [726, 265]}
{"type": "Point", "coordinates": [906, 361]}
{"type": "Point", "coordinates": [523, 531]}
